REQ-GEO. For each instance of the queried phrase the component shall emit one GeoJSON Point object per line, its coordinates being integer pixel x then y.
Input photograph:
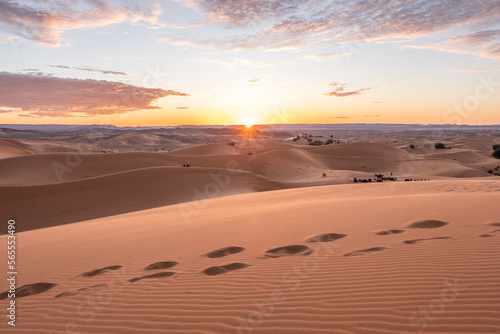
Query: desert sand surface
{"type": "Point", "coordinates": [257, 235]}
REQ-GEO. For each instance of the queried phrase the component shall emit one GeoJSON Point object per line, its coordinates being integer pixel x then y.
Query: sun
{"type": "Point", "coordinates": [248, 121]}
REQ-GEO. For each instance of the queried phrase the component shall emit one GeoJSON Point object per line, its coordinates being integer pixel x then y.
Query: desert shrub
{"type": "Point", "coordinates": [439, 145]}
{"type": "Point", "coordinates": [496, 147]}
{"type": "Point", "coordinates": [496, 154]}
{"type": "Point", "coordinates": [412, 146]}
{"type": "Point", "coordinates": [329, 141]}
{"type": "Point", "coordinates": [490, 171]}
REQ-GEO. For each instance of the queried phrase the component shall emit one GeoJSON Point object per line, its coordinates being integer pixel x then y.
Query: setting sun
{"type": "Point", "coordinates": [248, 121]}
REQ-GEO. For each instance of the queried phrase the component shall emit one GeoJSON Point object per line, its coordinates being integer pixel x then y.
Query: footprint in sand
{"type": "Point", "coordinates": [217, 270]}
{"type": "Point", "coordinates": [387, 232]}
{"type": "Point", "coordinates": [161, 265]}
{"type": "Point", "coordinates": [288, 251]}
{"type": "Point", "coordinates": [100, 271]}
{"type": "Point", "coordinates": [29, 290]}
{"type": "Point", "coordinates": [365, 251]}
{"type": "Point", "coordinates": [224, 252]}
{"type": "Point", "coordinates": [414, 241]}
{"type": "Point", "coordinates": [490, 234]}
{"type": "Point", "coordinates": [428, 224]}
{"type": "Point", "coordinates": [80, 291]}
{"type": "Point", "coordinates": [327, 237]}
{"type": "Point", "coordinates": [157, 275]}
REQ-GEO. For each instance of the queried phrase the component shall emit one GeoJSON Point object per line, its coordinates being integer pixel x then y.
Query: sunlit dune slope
{"type": "Point", "coordinates": [390, 258]}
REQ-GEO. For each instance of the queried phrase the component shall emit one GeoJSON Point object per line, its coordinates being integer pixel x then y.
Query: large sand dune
{"type": "Point", "coordinates": [88, 186]}
{"type": "Point", "coordinates": [253, 237]}
{"type": "Point", "coordinates": [11, 148]}
{"type": "Point", "coordinates": [386, 258]}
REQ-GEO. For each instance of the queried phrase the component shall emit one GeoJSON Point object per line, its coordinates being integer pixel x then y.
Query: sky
{"type": "Point", "coordinates": [205, 62]}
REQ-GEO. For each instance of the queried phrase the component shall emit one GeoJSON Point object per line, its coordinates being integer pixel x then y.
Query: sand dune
{"type": "Point", "coordinates": [11, 148]}
{"type": "Point", "coordinates": [63, 188]}
{"type": "Point", "coordinates": [431, 272]}
{"type": "Point", "coordinates": [136, 243]}
{"type": "Point", "coordinates": [278, 161]}
{"type": "Point", "coordinates": [128, 191]}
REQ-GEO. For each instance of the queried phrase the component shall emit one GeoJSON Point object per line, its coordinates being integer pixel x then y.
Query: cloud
{"type": "Point", "coordinates": [44, 22]}
{"type": "Point", "coordinates": [253, 80]}
{"type": "Point", "coordinates": [243, 12]}
{"type": "Point", "coordinates": [44, 96]}
{"type": "Point", "coordinates": [340, 90]}
{"type": "Point", "coordinates": [182, 108]}
{"type": "Point", "coordinates": [285, 24]}
{"type": "Point", "coordinates": [485, 43]}
{"type": "Point", "coordinates": [89, 69]}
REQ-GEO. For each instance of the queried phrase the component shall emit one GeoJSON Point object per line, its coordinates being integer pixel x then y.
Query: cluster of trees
{"type": "Point", "coordinates": [440, 146]}
{"type": "Point", "coordinates": [316, 142]}
{"type": "Point", "coordinates": [496, 151]}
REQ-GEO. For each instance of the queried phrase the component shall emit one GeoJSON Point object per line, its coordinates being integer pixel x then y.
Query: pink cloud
{"type": "Point", "coordinates": [292, 23]}
{"type": "Point", "coordinates": [339, 90]}
{"type": "Point", "coordinates": [45, 22]}
{"type": "Point", "coordinates": [44, 96]}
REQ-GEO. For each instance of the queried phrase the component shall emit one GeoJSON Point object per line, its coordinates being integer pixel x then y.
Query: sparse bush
{"type": "Point", "coordinates": [496, 147]}
{"type": "Point", "coordinates": [490, 171]}
{"type": "Point", "coordinates": [439, 145]}
{"type": "Point", "coordinates": [412, 146]}
{"type": "Point", "coordinates": [496, 154]}
{"type": "Point", "coordinates": [329, 141]}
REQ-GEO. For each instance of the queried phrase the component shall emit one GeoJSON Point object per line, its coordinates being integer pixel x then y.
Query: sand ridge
{"type": "Point", "coordinates": [380, 280]}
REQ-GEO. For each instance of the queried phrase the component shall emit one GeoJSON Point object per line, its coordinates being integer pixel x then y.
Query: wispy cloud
{"type": "Point", "coordinates": [44, 22]}
{"type": "Point", "coordinates": [326, 56]}
{"type": "Point", "coordinates": [182, 108]}
{"type": "Point", "coordinates": [62, 97]}
{"type": "Point", "coordinates": [253, 80]}
{"type": "Point", "coordinates": [485, 43]}
{"type": "Point", "coordinates": [343, 90]}
{"type": "Point", "coordinates": [89, 69]}
{"type": "Point", "coordinates": [286, 24]}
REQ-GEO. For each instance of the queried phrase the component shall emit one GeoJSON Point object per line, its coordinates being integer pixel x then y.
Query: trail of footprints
{"type": "Point", "coordinates": [291, 250]}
